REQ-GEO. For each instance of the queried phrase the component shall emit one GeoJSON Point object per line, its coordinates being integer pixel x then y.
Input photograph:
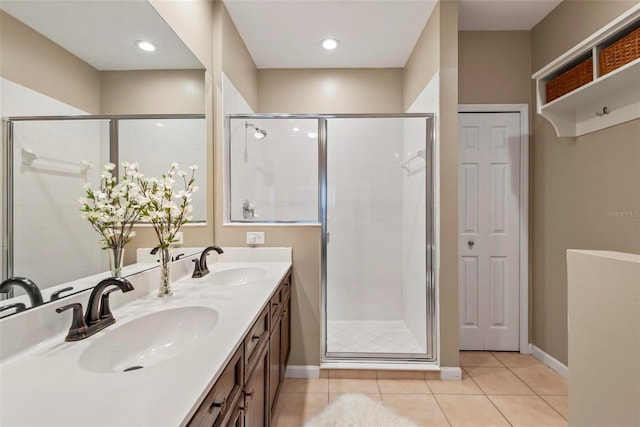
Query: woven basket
{"type": "Point", "coordinates": [570, 80]}
{"type": "Point", "coordinates": [619, 53]}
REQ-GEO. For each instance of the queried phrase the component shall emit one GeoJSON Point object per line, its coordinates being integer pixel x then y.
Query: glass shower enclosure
{"type": "Point", "coordinates": [370, 180]}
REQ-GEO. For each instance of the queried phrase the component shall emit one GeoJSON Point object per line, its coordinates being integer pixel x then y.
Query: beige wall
{"type": "Point", "coordinates": [424, 61]}
{"type": "Point", "coordinates": [576, 182]}
{"type": "Point", "coordinates": [153, 92]}
{"type": "Point", "coordinates": [448, 143]}
{"type": "Point", "coordinates": [494, 67]}
{"type": "Point", "coordinates": [371, 90]}
{"type": "Point", "coordinates": [33, 61]}
{"type": "Point", "coordinates": [237, 63]}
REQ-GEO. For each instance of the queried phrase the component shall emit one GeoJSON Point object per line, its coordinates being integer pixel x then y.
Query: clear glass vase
{"type": "Point", "coordinates": [116, 261]}
{"type": "Point", "coordinates": [165, 273]}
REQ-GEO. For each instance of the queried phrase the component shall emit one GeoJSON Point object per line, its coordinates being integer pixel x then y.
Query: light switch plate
{"type": "Point", "coordinates": [255, 237]}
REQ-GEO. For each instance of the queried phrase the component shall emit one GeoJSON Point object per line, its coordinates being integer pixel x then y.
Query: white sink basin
{"type": "Point", "coordinates": [148, 340]}
{"type": "Point", "coordinates": [235, 276]}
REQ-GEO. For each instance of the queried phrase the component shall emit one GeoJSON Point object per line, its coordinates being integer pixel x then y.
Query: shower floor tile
{"type": "Point", "coordinates": [371, 336]}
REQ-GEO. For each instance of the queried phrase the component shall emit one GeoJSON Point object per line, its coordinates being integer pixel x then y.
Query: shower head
{"type": "Point", "coordinates": [257, 133]}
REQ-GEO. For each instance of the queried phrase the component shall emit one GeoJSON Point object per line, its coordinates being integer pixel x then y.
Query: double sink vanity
{"type": "Point", "coordinates": [213, 354]}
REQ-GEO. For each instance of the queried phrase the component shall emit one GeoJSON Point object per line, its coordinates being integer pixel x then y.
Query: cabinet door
{"type": "Point", "coordinates": [255, 394]}
{"type": "Point", "coordinates": [285, 338]}
{"type": "Point", "coordinates": [274, 362]}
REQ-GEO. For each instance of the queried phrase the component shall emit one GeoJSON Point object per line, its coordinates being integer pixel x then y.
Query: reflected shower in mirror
{"type": "Point", "coordinates": [49, 69]}
{"type": "Point", "coordinates": [155, 143]}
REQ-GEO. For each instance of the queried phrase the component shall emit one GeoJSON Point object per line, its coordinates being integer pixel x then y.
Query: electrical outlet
{"type": "Point", "coordinates": [255, 238]}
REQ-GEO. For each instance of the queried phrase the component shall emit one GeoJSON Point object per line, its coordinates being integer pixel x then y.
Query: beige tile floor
{"type": "Point", "coordinates": [497, 389]}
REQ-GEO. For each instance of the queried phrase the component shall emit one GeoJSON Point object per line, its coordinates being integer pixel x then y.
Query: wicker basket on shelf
{"type": "Point", "coordinates": [570, 80]}
{"type": "Point", "coordinates": [619, 53]}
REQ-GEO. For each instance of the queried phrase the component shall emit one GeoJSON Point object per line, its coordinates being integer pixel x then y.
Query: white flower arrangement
{"type": "Point", "coordinates": [114, 207]}
{"type": "Point", "coordinates": [166, 208]}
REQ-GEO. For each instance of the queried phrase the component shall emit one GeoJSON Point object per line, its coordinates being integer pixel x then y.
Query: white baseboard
{"type": "Point", "coordinates": [298, 371]}
{"type": "Point", "coordinates": [550, 361]}
{"type": "Point", "coordinates": [450, 374]}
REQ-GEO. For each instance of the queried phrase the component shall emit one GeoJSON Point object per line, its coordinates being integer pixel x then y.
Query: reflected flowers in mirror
{"type": "Point", "coordinates": [113, 208]}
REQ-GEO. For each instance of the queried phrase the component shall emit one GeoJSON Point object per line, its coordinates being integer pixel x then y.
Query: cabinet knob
{"type": "Point", "coordinates": [471, 243]}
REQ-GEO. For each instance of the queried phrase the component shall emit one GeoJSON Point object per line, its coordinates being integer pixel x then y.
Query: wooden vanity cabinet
{"type": "Point", "coordinates": [245, 393]}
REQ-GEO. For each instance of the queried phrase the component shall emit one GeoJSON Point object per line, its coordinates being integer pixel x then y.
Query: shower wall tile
{"type": "Point", "coordinates": [414, 217]}
{"type": "Point", "coordinates": [364, 260]}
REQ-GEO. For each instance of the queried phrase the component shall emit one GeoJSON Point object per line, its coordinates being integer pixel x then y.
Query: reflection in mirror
{"type": "Point", "coordinates": [48, 69]}
{"type": "Point", "coordinates": [156, 143]}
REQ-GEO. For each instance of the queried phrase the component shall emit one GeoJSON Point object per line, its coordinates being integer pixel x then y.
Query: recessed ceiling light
{"type": "Point", "coordinates": [296, 129]}
{"type": "Point", "coordinates": [312, 135]}
{"type": "Point", "coordinates": [329, 44]}
{"type": "Point", "coordinates": [146, 46]}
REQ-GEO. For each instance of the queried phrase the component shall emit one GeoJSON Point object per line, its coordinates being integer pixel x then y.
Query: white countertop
{"type": "Point", "coordinates": [45, 385]}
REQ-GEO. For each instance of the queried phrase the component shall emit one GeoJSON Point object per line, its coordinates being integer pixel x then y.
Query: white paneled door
{"type": "Point", "coordinates": [489, 231]}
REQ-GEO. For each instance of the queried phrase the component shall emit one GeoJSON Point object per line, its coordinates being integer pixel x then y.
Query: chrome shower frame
{"type": "Point", "coordinates": [430, 356]}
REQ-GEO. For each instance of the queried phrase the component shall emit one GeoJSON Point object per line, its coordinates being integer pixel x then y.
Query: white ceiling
{"type": "Point", "coordinates": [103, 33]}
{"type": "Point", "coordinates": [287, 33]}
{"type": "Point", "coordinates": [372, 33]}
{"type": "Point", "coordinates": [278, 33]}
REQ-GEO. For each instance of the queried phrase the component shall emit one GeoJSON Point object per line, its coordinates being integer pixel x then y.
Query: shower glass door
{"type": "Point", "coordinates": [377, 245]}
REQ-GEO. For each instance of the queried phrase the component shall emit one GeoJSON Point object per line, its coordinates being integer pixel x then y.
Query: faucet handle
{"type": "Point", "coordinates": [56, 294]}
{"type": "Point", "coordinates": [105, 309]}
{"type": "Point", "coordinates": [18, 306]}
{"type": "Point", "coordinates": [197, 270]}
{"type": "Point", "coordinates": [78, 328]}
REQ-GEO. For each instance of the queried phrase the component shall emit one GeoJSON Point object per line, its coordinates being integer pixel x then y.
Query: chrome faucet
{"type": "Point", "coordinates": [201, 269]}
{"type": "Point", "coordinates": [248, 210]}
{"type": "Point", "coordinates": [30, 288]}
{"type": "Point", "coordinates": [98, 315]}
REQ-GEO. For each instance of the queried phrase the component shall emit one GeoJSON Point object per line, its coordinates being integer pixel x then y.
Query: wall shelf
{"type": "Point", "coordinates": [581, 111]}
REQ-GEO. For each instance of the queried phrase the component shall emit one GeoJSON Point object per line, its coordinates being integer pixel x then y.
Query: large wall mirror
{"type": "Point", "coordinates": [69, 58]}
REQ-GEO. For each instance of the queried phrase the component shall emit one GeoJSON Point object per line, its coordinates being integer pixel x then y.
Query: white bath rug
{"type": "Point", "coordinates": [357, 410]}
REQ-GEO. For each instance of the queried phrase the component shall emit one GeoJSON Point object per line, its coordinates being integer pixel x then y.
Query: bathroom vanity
{"type": "Point", "coordinates": [213, 354]}
{"type": "Point", "coordinates": [246, 391]}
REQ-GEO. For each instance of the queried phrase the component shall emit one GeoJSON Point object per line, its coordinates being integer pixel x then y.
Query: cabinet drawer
{"type": "Point", "coordinates": [256, 336]}
{"type": "Point", "coordinates": [223, 396]}
{"type": "Point", "coordinates": [279, 299]}
{"type": "Point", "coordinates": [274, 305]}
{"type": "Point", "coordinates": [285, 289]}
